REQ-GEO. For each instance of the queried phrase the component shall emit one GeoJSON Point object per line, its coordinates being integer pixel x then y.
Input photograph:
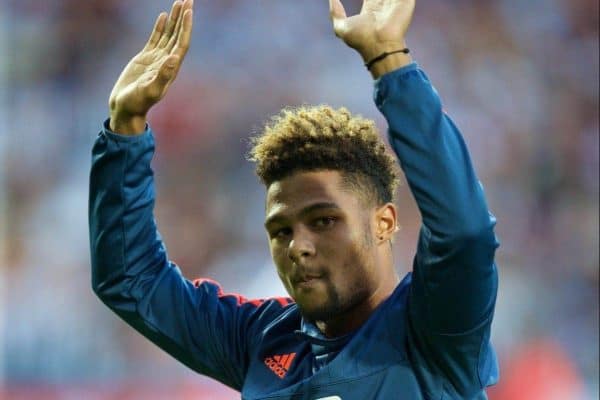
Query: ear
{"type": "Point", "coordinates": [385, 222]}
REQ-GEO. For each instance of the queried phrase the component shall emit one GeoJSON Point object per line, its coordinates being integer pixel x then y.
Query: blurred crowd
{"type": "Point", "coordinates": [519, 77]}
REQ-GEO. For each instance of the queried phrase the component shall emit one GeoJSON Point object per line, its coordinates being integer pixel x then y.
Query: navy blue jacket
{"type": "Point", "coordinates": [429, 340]}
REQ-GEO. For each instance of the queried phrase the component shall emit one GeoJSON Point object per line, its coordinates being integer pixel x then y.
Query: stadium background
{"type": "Point", "coordinates": [519, 76]}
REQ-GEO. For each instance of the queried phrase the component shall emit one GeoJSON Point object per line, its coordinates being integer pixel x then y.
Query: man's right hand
{"type": "Point", "coordinates": [146, 78]}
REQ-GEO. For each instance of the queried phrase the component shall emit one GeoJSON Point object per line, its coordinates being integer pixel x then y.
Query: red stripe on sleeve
{"type": "Point", "coordinates": [240, 300]}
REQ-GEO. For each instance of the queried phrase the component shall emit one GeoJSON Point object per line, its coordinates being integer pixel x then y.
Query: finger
{"type": "Point", "coordinates": [337, 14]}
{"type": "Point", "coordinates": [336, 10]}
{"type": "Point", "coordinates": [403, 11]}
{"type": "Point", "coordinates": [175, 11]}
{"type": "Point", "coordinates": [159, 27]}
{"type": "Point", "coordinates": [173, 37]}
{"type": "Point", "coordinates": [185, 34]}
{"type": "Point", "coordinates": [187, 4]}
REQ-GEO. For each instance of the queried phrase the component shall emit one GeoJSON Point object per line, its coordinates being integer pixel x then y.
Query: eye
{"type": "Point", "coordinates": [324, 222]}
{"type": "Point", "coordinates": [281, 233]}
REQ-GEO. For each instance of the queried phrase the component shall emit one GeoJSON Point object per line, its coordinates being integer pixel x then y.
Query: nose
{"type": "Point", "coordinates": [301, 246]}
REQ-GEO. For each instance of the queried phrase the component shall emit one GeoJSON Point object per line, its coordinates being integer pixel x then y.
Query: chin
{"type": "Point", "coordinates": [334, 305]}
{"type": "Point", "coordinates": [319, 312]}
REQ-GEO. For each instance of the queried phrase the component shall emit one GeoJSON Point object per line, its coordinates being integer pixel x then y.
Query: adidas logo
{"type": "Point", "coordinates": [280, 364]}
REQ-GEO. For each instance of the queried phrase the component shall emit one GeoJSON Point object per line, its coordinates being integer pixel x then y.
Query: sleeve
{"type": "Point", "coordinates": [207, 330]}
{"type": "Point", "coordinates": [454, 279]}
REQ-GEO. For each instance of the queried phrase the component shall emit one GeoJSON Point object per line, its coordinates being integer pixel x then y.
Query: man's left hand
{"type": "Point", "coordinates": [380, 27]}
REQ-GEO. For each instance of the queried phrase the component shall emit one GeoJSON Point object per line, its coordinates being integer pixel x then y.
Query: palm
{"type": "Point", "coordinates": [133, 90]}
{"type": "Point", "coordinates": [379, 22]}
{"type": "Point", "coordinates": [148, 75]}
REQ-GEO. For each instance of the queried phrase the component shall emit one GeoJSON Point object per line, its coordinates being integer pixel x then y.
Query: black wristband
{"type": "Point", "coordinates": [383, 55]}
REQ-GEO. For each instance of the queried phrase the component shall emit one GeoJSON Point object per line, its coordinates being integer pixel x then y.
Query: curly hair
{"type": "Point", "coordinates": [312, 138]}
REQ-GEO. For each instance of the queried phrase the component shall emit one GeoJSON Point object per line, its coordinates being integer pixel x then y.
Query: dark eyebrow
{"type": "Point", "coordinates": [306, 210]}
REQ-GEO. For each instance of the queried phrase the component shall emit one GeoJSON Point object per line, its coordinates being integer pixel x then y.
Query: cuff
{"type": "Point", "coordinates": [383, 83]}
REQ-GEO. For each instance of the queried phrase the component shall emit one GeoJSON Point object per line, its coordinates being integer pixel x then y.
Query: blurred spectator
{"type": "Point", "coordinates": [539, 370]}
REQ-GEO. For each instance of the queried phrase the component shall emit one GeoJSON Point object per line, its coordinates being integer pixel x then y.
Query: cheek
{"type": "Point", "coordinates": [354, 260]}
{"type": "Point", "coordinates": [280, 260]}
{"type": "Point", "coordinates": [276, 251]}
{"type": "Point", "coordinates": [351, 244]}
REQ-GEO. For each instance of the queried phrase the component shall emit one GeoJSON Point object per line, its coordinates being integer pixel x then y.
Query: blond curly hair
{"type": "Point", "coordinates": [312, 138]}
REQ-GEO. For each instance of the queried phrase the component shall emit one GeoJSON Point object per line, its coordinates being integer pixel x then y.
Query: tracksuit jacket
{"type": "Point", "coordinates": [429, 340]}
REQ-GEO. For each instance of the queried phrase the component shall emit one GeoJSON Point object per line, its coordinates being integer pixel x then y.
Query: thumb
{"type": "Point", "coordinates": [156, 87]}
{"type": "Point", "coordinates": [338, 17]}
{"type": "Point", "coordinates": [336, 10]}
{"type": "Point", "coordinates": [168, 69]}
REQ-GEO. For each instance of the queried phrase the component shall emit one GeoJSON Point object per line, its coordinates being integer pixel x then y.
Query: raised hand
{"type": "Point", "coordinates": [148, 75]}
{"type": "Point", "coordinates": [380, 27]}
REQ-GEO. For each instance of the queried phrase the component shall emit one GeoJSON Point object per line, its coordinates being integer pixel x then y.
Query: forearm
{"type": "Point", "coordinates": [455, 280]}
{"type": "Point", "coordinates": [132, 275]}
{"type": "Point", "coordinates": [432, 154]}
{"type": "Point", "coordinates": [123, 237]}
{"type": "Point", "coordinates": [130, 270]}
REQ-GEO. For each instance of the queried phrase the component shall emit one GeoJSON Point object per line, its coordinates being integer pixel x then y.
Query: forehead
{"type": "Point", "coordinates": [302, 189]}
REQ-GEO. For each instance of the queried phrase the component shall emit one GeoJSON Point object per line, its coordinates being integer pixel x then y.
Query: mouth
{"type": "Point", "coordinates": [307, 281]}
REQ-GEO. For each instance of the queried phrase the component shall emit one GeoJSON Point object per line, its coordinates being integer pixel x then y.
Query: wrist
{"type": "Point", "coordinates": [127, 125]}
{"type": "Point", "coordinates": [389, 63]}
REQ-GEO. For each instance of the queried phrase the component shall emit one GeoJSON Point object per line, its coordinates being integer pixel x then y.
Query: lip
{"type": "Point", "coordinates": [307, 282]}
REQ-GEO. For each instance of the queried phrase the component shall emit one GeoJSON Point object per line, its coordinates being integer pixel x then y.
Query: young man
{"type": "Point", "coordinates": [352, 329]}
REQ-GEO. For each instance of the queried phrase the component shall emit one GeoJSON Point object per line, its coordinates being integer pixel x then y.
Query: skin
{"type": "Point", "coordinates": [332, 251]}
{"type": "Point", "coordinates": [350, 261]}
{"type": "Point", "coordinates": [147, 77]}
{"type": "Point", "coordinates": [380, 27]}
